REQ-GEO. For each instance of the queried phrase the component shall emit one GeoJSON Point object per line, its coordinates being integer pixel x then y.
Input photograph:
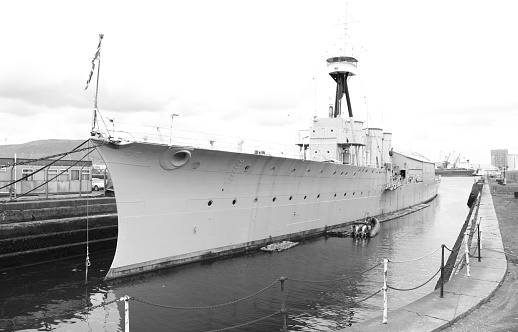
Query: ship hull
{"type": "Point", "coordinates": [179, 205]}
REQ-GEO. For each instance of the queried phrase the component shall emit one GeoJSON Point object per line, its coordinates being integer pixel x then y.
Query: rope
{"type": "Point", "coordinates": [445, 247]}
{"type": "Point", "coordinates": [44, 183]}
{"type": "Point", "coordinates": [74, 150]}
{"type": "Point", "coordinates": [87, 261]}
{"type": "Point", "coordinates": [337, 279]}
{"type": "Point", "coordinates": [247, 323]}
{"type": "Point", "coordinates": [44, 167]}
{"type": "Point", "coordinates": [413, 288]}
{"type": "Point", "coordinates": [206, 307]}
{"type": "Point", "coordinates": [415, 259]}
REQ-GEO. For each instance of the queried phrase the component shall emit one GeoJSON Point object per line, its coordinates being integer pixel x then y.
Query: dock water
{"type": "Point", "coordinates": [462, 293]}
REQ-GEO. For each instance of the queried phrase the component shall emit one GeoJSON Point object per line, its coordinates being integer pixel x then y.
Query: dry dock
{"type": "Point", "coordinates": [37, 231]}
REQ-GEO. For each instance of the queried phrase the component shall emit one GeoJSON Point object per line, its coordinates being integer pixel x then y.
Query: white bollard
{"type": "Point", "coordinates": [385, 300]}
{"type": "Point", "coordinates": [466, 238]}
{"type": "Point", "coordinates": [126, 312]}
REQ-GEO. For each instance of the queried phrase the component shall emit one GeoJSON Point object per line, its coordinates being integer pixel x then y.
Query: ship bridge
{"type": "Point", "coordinates": [345, 141]}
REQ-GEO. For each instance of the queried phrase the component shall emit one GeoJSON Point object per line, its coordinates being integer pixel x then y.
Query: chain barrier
{"type": "Point", "coordinates": [415, 259]}
{"type": "Point", "coordinates": [414, 288]}
{"type": "Point", "coordinates": [247, 323]}
{"type": "Point", "coordinates": [348, 302]}
{"type": "Point", "coordinates": [343, 277]}
{"type": "Point", "coordinates": [206, 307]}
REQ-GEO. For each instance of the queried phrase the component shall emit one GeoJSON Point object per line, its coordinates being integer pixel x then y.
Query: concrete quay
{"type": "Point", "coordinates": [462, 294]}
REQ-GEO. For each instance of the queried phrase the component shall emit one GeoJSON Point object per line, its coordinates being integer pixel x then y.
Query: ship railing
{"type": "Point", "coordinates": [208, 141]}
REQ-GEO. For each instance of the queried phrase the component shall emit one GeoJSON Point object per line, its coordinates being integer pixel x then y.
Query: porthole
{"type": "Point", "coordinates": [308, 170]}
{"type": "Point", "coordinates": [318, 196]}
{"type": "Point", "coordinates": [234, 201]}
{"type": "Point", "coordinates": [305, 196]}
{"type": "Point", "coordinates": [334, 172]}
{"type": "Point", "coordinates": [335, 195]}
{"type": "Point", "coordinates": [247, 167]}
{"type": "Point", "coordinates": [341, 173]}
{"type": "Point", "coordinates": [345, 194]}
{"type": "Point", "coordinates": [209, 203]}
{"type": "Point", "coordinates": [354, 193]}
{"type": "Point", "coordinates": [272, 169]}
{"type": "Point", "coordinates": [255, 200]}
{"type": "Point", "coordinates": [346, 173]}
{"type": "Point", "coordinates": [321, 171]}
{"type": "Point", "coordinates": [291, 197]}
{"type": "Point", "coordinates": [274, 199]}
{"type": "Point", "coordinates": [293, 170]}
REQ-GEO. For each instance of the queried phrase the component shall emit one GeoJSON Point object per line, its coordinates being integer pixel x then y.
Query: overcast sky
{"type": "Point", "coordinates": [442, 76]}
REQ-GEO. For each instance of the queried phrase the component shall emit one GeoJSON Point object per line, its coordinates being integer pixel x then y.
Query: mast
{"type": "Point", "coordinates": [97, 56]}
{"type": "Point", "coordinates": [340, 69]}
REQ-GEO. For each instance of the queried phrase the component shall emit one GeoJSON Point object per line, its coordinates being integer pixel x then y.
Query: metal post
{"type": "Point", "coordinates": [283, 307]}
{"type": "Point", "coordinates": [385, 300]}
{"type": "Point", "coordinates": [466, 238]}
{"type": "Point", "coordinates": [478, 241]}
{"type": "Point", "coordinates": [442, 271]}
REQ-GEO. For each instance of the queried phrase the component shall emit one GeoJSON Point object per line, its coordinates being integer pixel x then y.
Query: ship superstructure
{"type": "Point", "coordinates": [178, 204]}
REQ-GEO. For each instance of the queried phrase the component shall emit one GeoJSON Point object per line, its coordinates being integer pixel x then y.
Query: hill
{"type": "Point", "coordinates": [44, 148]}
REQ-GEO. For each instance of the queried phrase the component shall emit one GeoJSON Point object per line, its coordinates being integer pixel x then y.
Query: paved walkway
{"type": "Point", "coordinates": [462, 294]}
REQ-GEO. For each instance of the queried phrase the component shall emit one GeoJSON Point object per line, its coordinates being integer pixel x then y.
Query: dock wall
{"type": "Point", "coordinates": [33, 232]}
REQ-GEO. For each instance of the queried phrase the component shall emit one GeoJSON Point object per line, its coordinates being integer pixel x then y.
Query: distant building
{"type": "Point", "coordinates": [63, 177]}
{"type": "Point", "coordinates": [499, 158]}
{"type": "Point", "coordinates": [512, 159]}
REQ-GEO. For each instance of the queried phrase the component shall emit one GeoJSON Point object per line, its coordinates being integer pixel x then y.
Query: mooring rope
{"type": "Point", "coordinates": [49, 180]}
{"type": "Point", "coordinates": [87, 260]}
{"type": "Point", "coordinates": [44, 167]}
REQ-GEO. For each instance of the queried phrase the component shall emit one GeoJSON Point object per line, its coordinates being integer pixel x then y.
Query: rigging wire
{"type": "Point", "coordinates": [44, 167]}
{"type": "Point", "coordinates": [45, 182]}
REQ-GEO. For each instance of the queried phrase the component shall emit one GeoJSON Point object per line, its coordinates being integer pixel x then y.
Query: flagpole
{"type": "Point", "coordinates": [97, 56]}
{"type": "Point", "coordinates": [98, 71]}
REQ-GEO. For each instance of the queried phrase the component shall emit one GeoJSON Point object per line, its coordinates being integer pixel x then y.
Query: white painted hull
{"type": "Point", "coordinates": [222, 202]}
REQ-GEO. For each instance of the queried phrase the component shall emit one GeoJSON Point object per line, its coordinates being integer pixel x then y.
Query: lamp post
{"type": "Point", "coordinates": [171, 135]}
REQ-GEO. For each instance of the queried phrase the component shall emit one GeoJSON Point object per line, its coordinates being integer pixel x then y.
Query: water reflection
{"type": "Point", "coordinates": [48, 297]}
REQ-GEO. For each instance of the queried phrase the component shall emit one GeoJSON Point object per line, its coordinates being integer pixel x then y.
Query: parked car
{"type": "Point", "coordinates": [97, 184]}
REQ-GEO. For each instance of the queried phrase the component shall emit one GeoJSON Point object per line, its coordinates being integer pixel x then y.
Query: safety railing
{"type": "Point", "coordinates": [285, 310]}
